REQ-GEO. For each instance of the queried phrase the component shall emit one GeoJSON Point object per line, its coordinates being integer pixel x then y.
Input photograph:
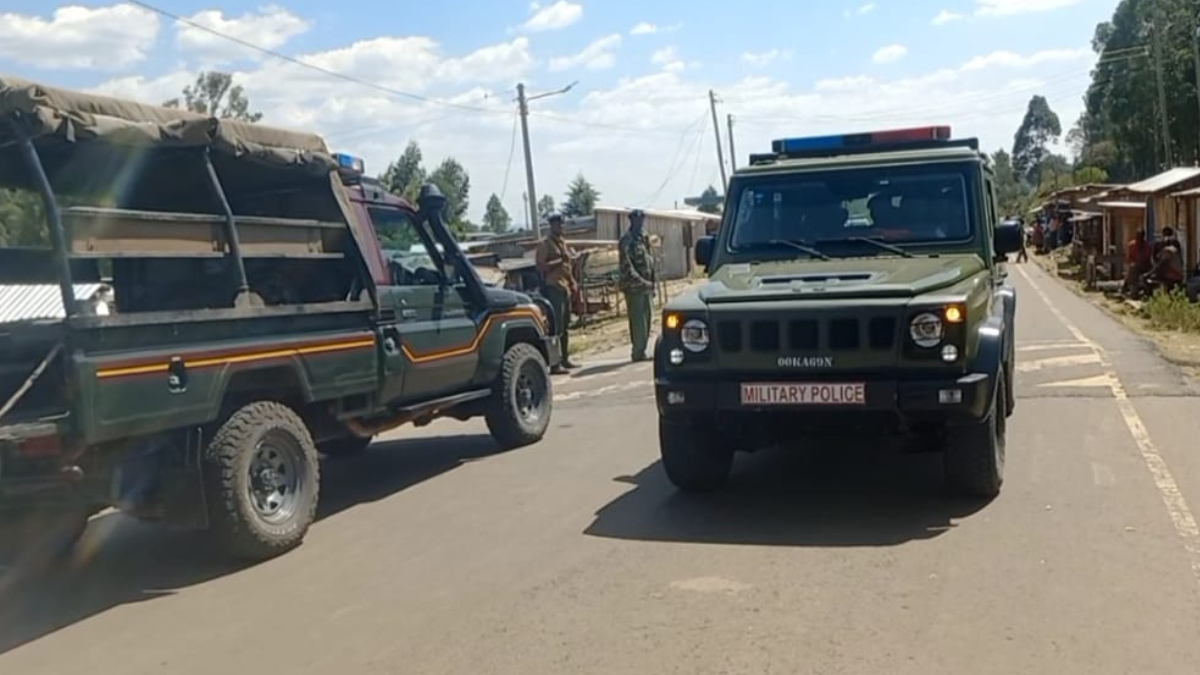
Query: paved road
{"type": "Point", "coordinates": [574, 556]}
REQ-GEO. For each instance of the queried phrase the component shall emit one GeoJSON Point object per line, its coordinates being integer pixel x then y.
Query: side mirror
{"type": "Point", "coordinates": [1007, 238]}
{"type": "Point", "coordinates": [704, 249]}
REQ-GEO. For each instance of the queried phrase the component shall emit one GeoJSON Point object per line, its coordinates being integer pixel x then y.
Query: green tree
{"type": "Point", "coordinates": [21, 219]}
{"type": "Point", "coordinates": [452, 179]}
{"type": "Point", "coordinates": [1038, 130]}
{"type": "Point", "coordinates": [214, 93]}
{"type": "Point", "coordinates": [405, 176]}
{"type": "Point", "coordinates": [711, 203]}
{"type": "Point", "coordinates": [1010, 191]}
{"type": "Point", "coordinates": [581, 198]}
{"type": "Point", "coordinates": [545, 206]}
{"type": "Point", "coordinates": [1121, 122]}
{"type": "Point", "coordinates": [495, 216]}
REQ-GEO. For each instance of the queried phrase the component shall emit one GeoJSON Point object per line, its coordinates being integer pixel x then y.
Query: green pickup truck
{"type": "Point", "coordinates": [250, 321]}
{"type": "Point", "coordinates": [857, 284]}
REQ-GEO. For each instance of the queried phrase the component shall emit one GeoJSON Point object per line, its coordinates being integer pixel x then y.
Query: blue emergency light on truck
{"type": "Point", "coordinates": [349, 164]}
{"type": "Point", "coordinates": [871, 141]}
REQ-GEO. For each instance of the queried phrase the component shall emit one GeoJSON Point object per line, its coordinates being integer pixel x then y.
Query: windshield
{"type": "Point", "coordinates": [895, 205]}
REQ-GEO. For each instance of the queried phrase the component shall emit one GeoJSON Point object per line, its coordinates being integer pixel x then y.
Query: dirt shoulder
{"type": "Point", "coordinates": [1178, 347]}
{"type": "Point", "coordinates": [609, 331]}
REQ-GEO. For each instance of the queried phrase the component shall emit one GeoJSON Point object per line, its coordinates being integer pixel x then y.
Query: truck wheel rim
{"type": "Point", "coordinates": [531, 392]}
{"type": "Point", "coordinates": [276, 477]}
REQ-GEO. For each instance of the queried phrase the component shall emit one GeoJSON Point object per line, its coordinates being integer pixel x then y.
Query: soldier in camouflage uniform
{"type": "Point", "coordinates": [637, 282]}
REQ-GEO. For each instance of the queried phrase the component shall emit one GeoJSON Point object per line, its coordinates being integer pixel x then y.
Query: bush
{"type": "Point", "coordinates": [1173, 311]}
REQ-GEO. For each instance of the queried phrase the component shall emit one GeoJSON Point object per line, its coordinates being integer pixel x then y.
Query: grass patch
{"type": "Point", "coordinates": [1173, 311]}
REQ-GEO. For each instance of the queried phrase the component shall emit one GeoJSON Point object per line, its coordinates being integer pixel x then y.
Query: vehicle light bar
{"type": "Point", "coordinates": [893, 137]}
{"type": "Point", "coordinates": [350, 163]}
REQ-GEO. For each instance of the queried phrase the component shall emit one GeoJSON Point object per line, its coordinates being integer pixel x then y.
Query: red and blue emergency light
{"type": "Point", "coordinates": [804, 144]}
{"type": "Point", "coordinates": [349, 164]}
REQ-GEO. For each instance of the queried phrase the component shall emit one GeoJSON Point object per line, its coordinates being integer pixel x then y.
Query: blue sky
{"type": "Point", "coordinates": [635, 124]}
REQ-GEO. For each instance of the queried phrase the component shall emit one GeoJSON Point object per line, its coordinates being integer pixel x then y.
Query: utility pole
{"type": "Point", "coordinates": [525, 201]}
{"type": "Point", "coordinates": [531, 193]}
{"type": "Point", "coordinates": [1196, 53]}
{"type": "Point", "coordinates": [712, 104]}
{"type": "Point", "coordinates": [732, 153]}
{"type": "Point", "coordinates": [1157, 30]}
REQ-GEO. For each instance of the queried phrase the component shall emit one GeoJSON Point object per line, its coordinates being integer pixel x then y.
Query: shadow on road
{"type": "Point", "coordinates": [586, 371]}
{"type": "Point", "coordinates": [121, 561]}
{"type": "Point", "coordinates": [855, 497]}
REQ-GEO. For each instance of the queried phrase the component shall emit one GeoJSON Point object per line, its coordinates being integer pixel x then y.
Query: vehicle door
{"type": "Point", "coordinates": [434, 334]}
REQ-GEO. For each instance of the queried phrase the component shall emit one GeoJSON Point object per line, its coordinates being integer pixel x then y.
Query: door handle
{"type": "Point", "coordinates": [408, 313]}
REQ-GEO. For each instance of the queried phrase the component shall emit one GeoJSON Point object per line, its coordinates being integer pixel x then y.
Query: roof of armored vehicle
{"type": "Point", "coordinates": [785, 164]}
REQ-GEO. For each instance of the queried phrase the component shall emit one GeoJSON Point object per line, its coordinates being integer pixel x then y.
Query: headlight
{"type": "Point", "coordinates": [926, 330]}
{"type": "Point", "coordinates": [694, 336]}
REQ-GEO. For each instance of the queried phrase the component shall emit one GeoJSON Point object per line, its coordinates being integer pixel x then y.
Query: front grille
{"type": "Point", "coordinates": [836, 334]}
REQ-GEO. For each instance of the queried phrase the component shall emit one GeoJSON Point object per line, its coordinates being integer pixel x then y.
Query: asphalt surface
{"type": "Point", "coordinates": [433, 554]}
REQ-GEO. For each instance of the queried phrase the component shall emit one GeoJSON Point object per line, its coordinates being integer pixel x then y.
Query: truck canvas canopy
{"type": "Point", "coordinates": [130, 180]}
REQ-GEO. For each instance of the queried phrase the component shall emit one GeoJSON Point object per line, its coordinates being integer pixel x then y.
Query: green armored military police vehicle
{"type": "Point", "coordinates": [206, 306]}
{"type": "Point", "coordinates": [856, 283]}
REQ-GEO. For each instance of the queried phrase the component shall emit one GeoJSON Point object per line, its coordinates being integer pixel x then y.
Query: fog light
{"type": "Point", "coordinates": [949, 353]}
{"type": "Point", "coordinates": [675, 397]}
{"type": "Point", "coordinates": [949, 396]}
{"type": "Point", "coordinates": [676, 357]}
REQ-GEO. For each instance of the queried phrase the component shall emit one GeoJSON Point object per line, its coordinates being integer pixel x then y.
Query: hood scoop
{"type": "Point", "coordinates": [803, 282]}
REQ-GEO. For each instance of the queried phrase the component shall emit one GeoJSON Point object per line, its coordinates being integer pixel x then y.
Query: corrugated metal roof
{"type": "Point", "coordinates": [1164, 180]}
{"type": "Point", "coordinates": [1122, 205]}
{"type": "Point", "coordinates": [1194, 192]}
{"type": "Point", "coordinates": [26, 302]}
{"type": "Point", "coordinates": [681, 214]}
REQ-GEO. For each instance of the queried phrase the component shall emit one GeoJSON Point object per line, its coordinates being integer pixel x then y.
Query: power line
{"type": "Point", "coordinates": [310, 66]}
{"type": "Point", "coordinates": [672, 170]}
{"type": "Point", "coordinates": [512, 147]}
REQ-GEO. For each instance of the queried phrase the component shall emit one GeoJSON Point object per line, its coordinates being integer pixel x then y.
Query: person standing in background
{"type": "Point", "coordinates": [637, 282]}
{"type": "Point", "coordinates": [555, 260]}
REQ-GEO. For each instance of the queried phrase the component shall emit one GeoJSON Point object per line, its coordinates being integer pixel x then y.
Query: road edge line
{"type": "Point", "coordinates": [1164, 480]}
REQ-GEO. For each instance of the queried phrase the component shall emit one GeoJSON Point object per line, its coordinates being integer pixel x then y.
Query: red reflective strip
{"type": "Point", "coordinates": [938, 133]}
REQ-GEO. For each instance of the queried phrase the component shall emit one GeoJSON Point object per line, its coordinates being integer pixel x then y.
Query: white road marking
{"type": "Point", "coordinates": [1096, 381]}
{"type": "Point", "coordinates": [1058, 362]}
{"type": "Point", "coordinates": [1043, 347]}
{"type": "Point", "coordinates": [601, 391]}
{"type": "Point", "coordinates": [1164, 480]}
{"type": "Point", "coordinates": [710, 585]}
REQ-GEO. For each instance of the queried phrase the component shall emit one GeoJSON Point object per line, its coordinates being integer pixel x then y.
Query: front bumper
{"type": "Point", "coordinates": [960, 398]}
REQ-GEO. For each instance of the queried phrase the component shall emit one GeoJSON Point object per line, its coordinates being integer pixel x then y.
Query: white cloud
{"type": "Point", "coordinates": [79, 37]}
{"type": "Point", "coordinates": [270, 28]}
{"type": "Point", "coordinates": [1011, 7]}
{"type": "Point", "coordinates": [552, 17]}
{"type": "Point", "coordinates": [889, 54]}
{"type": "Point", "coordinates": [1010, 59]}
{"type": "Point", "coordinates": [860, 10]}
{"type": "Point", "coordinates": [946, 16]}
{"type": "Point", "coordinates": [664, 56]}
{"type": "Point", "coordinates": [647, 28]}
{"type": "Point", "coordinates": [622, 136]}
{"type": "Point", "coordinates": [762, 59]}
{"type": "Point", "coordinates": [596, 56]}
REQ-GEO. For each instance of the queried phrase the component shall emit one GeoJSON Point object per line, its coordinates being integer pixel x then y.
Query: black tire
{"type": "Point", "coordinates": [695, 459]}
{"type": "Point", "coordinates": [975, 453]}
{"type": "Point", "coordinates": [261, 516]}
{"type": "Point", "coordinates": [522, 398]}
{"type": "Point", "coordinates": [345, 448]}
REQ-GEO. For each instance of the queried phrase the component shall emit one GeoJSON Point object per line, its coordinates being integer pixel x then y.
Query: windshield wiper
{"type": "Point", "coordinates": [877, 243]}
{"type": "Point", "coordinates": [798, 245]}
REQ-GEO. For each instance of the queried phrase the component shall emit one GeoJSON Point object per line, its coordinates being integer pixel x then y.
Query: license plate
{"type": "Point", "coordinates": [804, 393]}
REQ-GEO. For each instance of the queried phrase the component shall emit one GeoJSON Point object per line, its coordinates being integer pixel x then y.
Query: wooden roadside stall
{"type": "Point", "coordinates": [1187, 223]}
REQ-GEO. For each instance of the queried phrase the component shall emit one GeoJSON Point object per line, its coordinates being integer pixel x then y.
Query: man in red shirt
{"type": "Point", "coordinates": [1137, 260]}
